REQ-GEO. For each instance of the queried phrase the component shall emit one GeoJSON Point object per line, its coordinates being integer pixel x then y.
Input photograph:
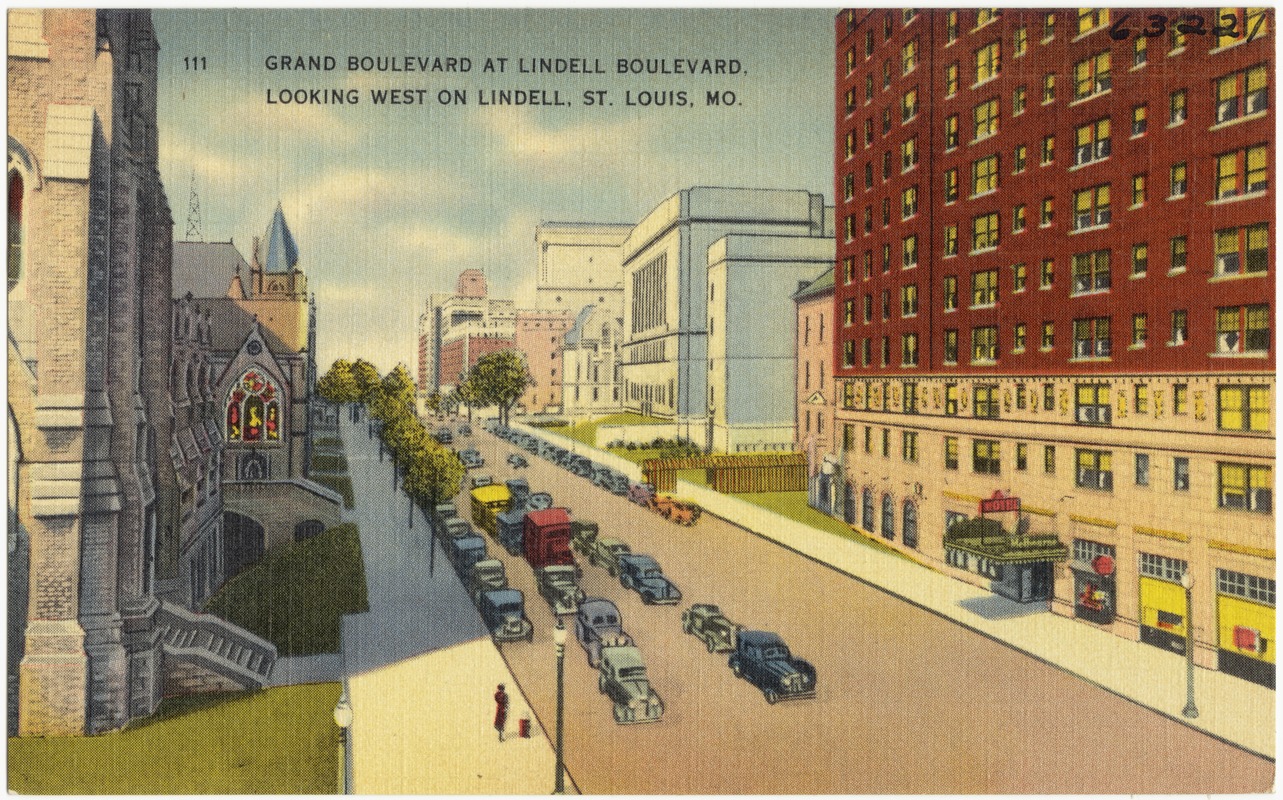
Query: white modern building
{"type": "Point", "coordinates": [664, 365]}
{"type": "Point", "coordinates": [752, 367]}
{"type": "Point", "coordinates": [580, 264]}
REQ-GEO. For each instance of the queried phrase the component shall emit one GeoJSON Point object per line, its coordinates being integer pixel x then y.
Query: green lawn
{"type": "Point", "coordinates": [276, 741]}
{"type": "Point", "coordinates": [295, 596]}
{"type": "Point", "coordinates": [329, 462]}
{"type": "Point", "coordinates": [586, 432]}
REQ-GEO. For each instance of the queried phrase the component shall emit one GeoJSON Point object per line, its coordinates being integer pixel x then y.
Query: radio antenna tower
{"type": "Point", "coordinates": [193, 214]}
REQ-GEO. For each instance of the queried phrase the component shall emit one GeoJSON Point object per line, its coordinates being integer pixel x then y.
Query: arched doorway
{"type": "Point", "coordinates": [867, 503]}
{"type": "Point", "coordinates": [910, 524]}
{"type": "Point", "coordinates": [888, 517]}
{"type": "Point", "coordinates": [244, 541]}
{"type": "Point", "coordinates": [848, 509]}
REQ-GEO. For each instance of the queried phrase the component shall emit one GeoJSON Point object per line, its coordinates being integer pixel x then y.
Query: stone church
{"type": "Point", "coordinates": [111, 542]}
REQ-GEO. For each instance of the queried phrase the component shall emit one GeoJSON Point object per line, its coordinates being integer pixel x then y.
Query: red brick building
{"type": "Point", "coordinates": [539, 337]}
{"type": "Point", "coordinates": [1054, 274]}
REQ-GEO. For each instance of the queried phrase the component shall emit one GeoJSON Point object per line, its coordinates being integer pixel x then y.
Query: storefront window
{"type": "Point", "coordinates": [1094, 581]}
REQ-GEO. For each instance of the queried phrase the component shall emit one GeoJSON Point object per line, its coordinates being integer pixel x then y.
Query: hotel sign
{"type": "Point", "coordinates": [999, 502]}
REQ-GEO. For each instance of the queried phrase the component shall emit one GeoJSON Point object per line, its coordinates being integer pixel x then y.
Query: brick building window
{"type": "Point", "coordinates": [1243, 329]}
{"type": "Point", "coordinates": [950, 292]}
{"type": "Point", "coordinates": [1139, 191]}
{"type": "Point", "coordinates": [950, 346]}
{"type": "Point", "coordinates": [909, 350]}
{"type": "Point", "coordinates": [908, 202]}
{"type": "Point", "coordinates": [951, 28]}
{"type": "Point", "coordinates": [951, 79]}
{"type": "Point", "coordinates": [1177, 108]}
{"type": "Point", "coordinates": [950, 240]}
{"type": "Point", "coordinates": [1140, 260]}
{"type": "Point", "coordinates": [984, 117]}
{"type": "Point", "coordinates": [951, 185]}
{"type": "Point", "coordinates": [1021, 158]}
{"type": "Point", "coordinates": [1046, 273]}
{"type": "Point", "coordinates": [951, 132]}
{"type": "Point", "coordinates": [909, 56]}
{"type": "Point", "coordinates": [1242, 94]}
{"type": "Point", "coordinates": [984, 175]}
{"type": "Point", "coordinates": [1092, 338]}
{"type": "Point", "coordinates": [984, 344]}
{"type": "Point", "coordinates": [1091, 272]}
{"type": "Point", "coordinates": [1179, 180]}
{"type": "Point", "coordinates": [1089, 19]}
{"type": "Point", "coordinates": [1048, 335]}
{"type": "Point", "coordinates": [1140, 330]}
{"type": "Point", "coordinates": [984, 288]}
{"type": "Point", "coordinates": [1179, 250]}
{"type": "Point", "coordinates": [1180, 327]}
{"type": "Point", "coordinates": [1091, 142]}
{"type": "Point", "coordinates": [1049, 88]}
{"type": "Point", "coordinates": [984, 232]}
{"type": "Point", "coordinates": [1091, 76]}
{"type": "Point", "coordinates": [909, 154]}
{"type": "Point", "coordinates": [1048, 150]}
{"type": "Point", "coordinates": [848, 353]}
{"type": "Point", "coordinates": [1020, 41]}
{"type": "Point", "coordinates": [988, 62]}
{"type": "Point", "coordinates": [1091, 207]}
{"type": "Point", "coordinates": [1246, 487]}
{"type": "Point", "coordinates": [1018, 277]}
{"type": "Point", "coordinates": [1018, 345]}
{"type": "Point", "coordinates": [909, 251]}
{"type": "Point", "coordinates": [909, 105]}
{"type": "Point", "coordinates": [909, 300]}
{"type": "Point", "coordinates": [1242, 172]}
{"type": "Point", "coordinates": [1018, 218]}
{"type": "Point", "coordinates": [1019, 99]}
{"type": "Point", "coordinates": [1047, 214]}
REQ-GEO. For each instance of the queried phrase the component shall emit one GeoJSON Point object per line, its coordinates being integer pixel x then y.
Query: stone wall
{"type": "Point", "coordinates": [280, 505]}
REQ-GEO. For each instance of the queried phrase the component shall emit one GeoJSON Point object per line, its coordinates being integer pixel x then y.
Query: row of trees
{"type": "Point", "coordinates": [497, 379]}
{"type": "Point", "coordinates": [432, 473]}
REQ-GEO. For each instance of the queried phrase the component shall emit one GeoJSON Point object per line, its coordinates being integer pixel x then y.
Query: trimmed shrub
{"type": "Point", "coordinates": [339, 483]}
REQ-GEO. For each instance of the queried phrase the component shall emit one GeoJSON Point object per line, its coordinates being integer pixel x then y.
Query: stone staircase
{"type": "Point", "coordinates": [206, 653]}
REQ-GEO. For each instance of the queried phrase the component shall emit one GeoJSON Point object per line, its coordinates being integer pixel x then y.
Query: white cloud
{"type": "Point", "coordinates": [589, 145]}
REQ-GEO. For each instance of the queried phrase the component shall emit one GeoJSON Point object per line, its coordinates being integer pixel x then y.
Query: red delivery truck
{"type": "Point", "coordinates": [546, 538]}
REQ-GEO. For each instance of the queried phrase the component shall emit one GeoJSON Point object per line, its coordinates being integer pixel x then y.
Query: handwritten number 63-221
{"type": "Point", "coordinates": [1185, 24]}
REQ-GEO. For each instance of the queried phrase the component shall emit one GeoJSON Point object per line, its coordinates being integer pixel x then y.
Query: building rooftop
{"type": "Point", "coordinates": [206, 269]}
{"type": "Point", "coordinates": [821, 285]}
{"type": "Point", "coordinates": [282, 250]}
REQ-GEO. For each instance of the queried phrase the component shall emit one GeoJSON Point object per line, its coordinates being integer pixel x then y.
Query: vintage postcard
{"type": "Point", "coordinates": [641, 401]}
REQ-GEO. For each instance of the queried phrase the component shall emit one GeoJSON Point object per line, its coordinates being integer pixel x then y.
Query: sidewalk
{"type": "Point", "coordinates": [421, 668]}
{"type": "Point", "coordinates": [1230, 708]}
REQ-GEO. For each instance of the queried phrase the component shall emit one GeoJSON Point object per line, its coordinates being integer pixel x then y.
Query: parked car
{"type": "Point", "coordinates": [442, 512]}
{"type": "Point", "coordinates": [443, 436]}
{"type": "Point", "coordinates": [641, 493]}
{"type": "Point", "coordinates": [518, 490]}
{"type": "Point", "coordinates": [583, 534]}
{"type": "Point", "coordinates": [509, 527]}
{"type": "Point", "coordinates": [642, 574]}
{"type": "Point", "coordinates": [504, 613]}
{"type": "Point", "coordinates": [598, 624]}
{"type": "Point", "coordinates": [486, 575]}
{"type": "Point", "coordinates": [464, 551]}
{"type": "Point", "coordinates": [605, 553]}
{"type": "Point", "coordinates": [465, 429]}
{"type": "Point", "coordinates": [538, 501]}
{"type": "Point", "coordinates": [618, 484]}
{"type": "Point", "coordinates": [682, 512]}
{"type": "Point", "coordinates": [581, 466]}
{"type": "Point", "coordinates": [517, 461]}
{"type": "Point", "coordinates": [557, 585]}
{"type": "Point", "coordinates": [471, 458]}
{"type": "Point", "coordinates": [621, 676]}
{"type": "Point", "coordinates": [482, 480]}
{"type": "Point", "coordinates": [707, 623]}
{"type": "Point", "coordinates": [764, 660]}
{"type": "Point", "coordinates": [458, 527]}
{"type": "Point", "coordinates": [531, 445]}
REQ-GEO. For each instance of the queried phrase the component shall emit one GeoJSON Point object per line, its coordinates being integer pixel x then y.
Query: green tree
{"type": "Point", "coordinates": [468, 393]}
{"type": "Point", "coordinates": [432, 474]}
{"type": "Point", "coordinates": [501, 378]}
{"type": "Point", "coordinates": [367, 379]}
{"type": "Point", "coordinates": [399, 386]}
{"type": "Point", "coordinates": [337, 385]}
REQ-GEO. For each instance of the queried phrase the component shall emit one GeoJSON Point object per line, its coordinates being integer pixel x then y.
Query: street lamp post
{"type": "Point", "coordinates": [559, 639]}
{"type": "Point", "coordinates": [1187, 582]}
{"type": "Point", "coordinates": [343, 718]}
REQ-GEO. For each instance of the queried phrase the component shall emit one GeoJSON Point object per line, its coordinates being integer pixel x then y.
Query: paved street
{"type": "Point", "coordinates": [908, 702]}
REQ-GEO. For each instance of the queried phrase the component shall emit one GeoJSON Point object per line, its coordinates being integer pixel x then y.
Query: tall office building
{"type": "Point", "coordinates": [1054, 274]}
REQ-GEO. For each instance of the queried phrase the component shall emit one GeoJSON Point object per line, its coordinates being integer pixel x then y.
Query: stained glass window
{"type": "Point", "coordinates": [253, 409]}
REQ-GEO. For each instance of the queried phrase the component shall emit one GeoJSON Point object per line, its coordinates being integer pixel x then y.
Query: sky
{"type": "Point", "coordinates": [390, 203]}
